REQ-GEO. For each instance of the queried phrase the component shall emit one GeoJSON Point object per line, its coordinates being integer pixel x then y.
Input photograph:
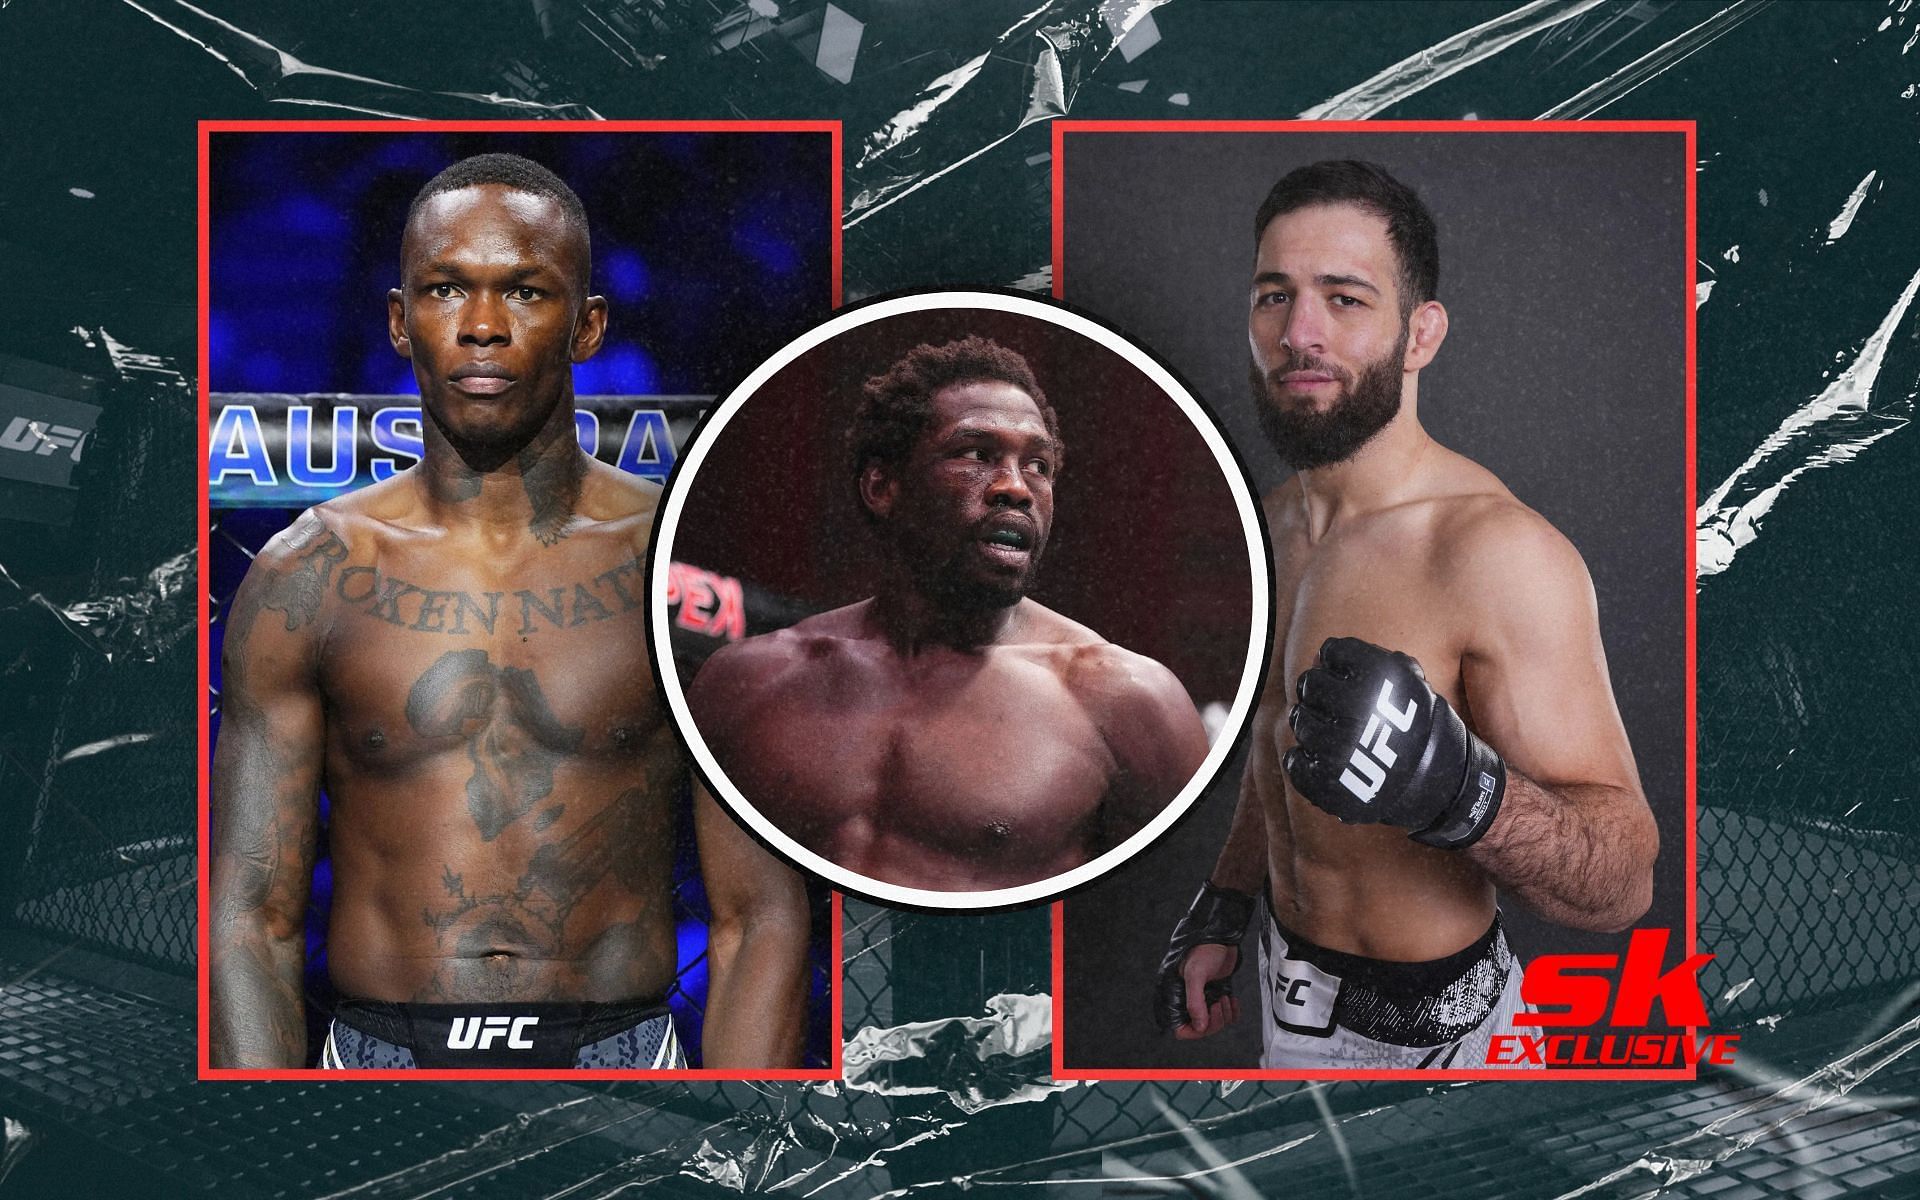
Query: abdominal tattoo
{"type": "Point", "coordinates": [530, 917]}
{"type": "Point", "coordinates": [513, 746]}
{"type": "Point", "coordinates": [460, 613]}
{"type": "Point", "coordinates": [499, 938]}
{"type": "Point", "coordinates": [557, 878]}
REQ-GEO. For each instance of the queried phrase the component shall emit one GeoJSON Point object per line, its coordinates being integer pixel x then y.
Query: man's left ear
{"type": "Point", "coordinates": [878, 490]}
{"type": "Point", "coordinates": [591, 329]}
{"type": "Point", "coordinates": [1426, 329]}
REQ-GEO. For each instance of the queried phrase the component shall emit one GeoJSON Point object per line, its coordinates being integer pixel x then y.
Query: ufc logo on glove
{"type": "Point", "coordinates": [1366, 785]}
{"type": "Point", "coordinates": [1366, 756]}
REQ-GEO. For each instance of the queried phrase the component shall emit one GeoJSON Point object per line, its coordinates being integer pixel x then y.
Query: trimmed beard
{"type": "Point", "coordinates": [1305, 439]}
{"type": "Point", "coordinates": [939, 574]}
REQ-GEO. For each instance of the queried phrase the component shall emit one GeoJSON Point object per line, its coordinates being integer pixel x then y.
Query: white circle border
{"type": "Point", "coordinates": [1238, 713]}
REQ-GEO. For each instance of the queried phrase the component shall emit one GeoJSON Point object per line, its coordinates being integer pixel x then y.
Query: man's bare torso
{"type": "Point", "coordinates": [1391, 577]}
{"type": "Point", "coordinates": [946, 769]}
{"type": "Point", "coordinates": [500, 770]}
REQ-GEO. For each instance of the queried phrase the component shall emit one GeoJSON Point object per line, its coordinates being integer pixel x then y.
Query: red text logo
{"type": "Point", "coordinates": [1618, 991]}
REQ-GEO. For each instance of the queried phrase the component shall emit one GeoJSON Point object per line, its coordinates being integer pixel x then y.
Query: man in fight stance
{"type": "Point", "coordinates": [1438, 724]}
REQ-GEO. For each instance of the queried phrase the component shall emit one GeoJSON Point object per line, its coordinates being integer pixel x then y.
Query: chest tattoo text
{"type": "Point", "coordinates": [409, 606]}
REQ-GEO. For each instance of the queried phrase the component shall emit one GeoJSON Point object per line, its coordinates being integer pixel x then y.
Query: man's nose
{"type": "Point", "coordinates": [1306, 328]}
{"type": "Point", "coordinates": [483, 321]}
{"type": "Point", "coordinates": [1008, 487]}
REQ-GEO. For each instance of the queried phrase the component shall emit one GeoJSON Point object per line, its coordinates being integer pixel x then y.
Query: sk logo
{"type": "Point", "coordinates": [467, 1032]}
{"type": "Point", "coordinates": [1373, 768]}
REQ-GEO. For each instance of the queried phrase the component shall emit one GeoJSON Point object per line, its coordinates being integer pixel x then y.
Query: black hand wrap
{"type": "Point", "coordinates": [1376, 745]}
{"type": "Point", "coordinates": [1218, 916]}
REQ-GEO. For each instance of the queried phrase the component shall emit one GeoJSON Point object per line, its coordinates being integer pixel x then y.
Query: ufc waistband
{"type": "Point", "coordinates": [1328, 1008]}
{"type": "Point", "coordinates": [374, 1033]}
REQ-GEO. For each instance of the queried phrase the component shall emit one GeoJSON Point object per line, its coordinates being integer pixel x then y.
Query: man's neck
{"type": "Point", "coordinates": [1382, 473]}
{"type": "Point", "coordinates": [913, 623]}
{"type": "Point", "coordinates": [506, 491]}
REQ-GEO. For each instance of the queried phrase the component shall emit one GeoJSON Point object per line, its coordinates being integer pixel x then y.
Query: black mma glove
{"type": "Point", "coordinates": [1218, 916]}
{"type": "Point", "coordinates": [1376, 745]}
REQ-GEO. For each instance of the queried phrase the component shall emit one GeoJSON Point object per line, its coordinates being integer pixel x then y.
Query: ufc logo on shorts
{"type": "Point", "coordinates": [1373, 768]}
{"type": "Point", "coordinates": [40, 437]}
{"type": "Point", "coordinates": [469, 1033]}
{"type": "Point", "coordinates": [1288, 991]}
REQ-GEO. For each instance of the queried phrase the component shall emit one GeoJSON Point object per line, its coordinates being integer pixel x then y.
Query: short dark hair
{"type": "Point", "coordinates": [896, 406]}
{"type": "Point", "coordinates": [522, 175]}
{"type": "Point", "coordinates": [1366, 186]}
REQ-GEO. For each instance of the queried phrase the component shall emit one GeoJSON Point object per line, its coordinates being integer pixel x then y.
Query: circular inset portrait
{"type": "Point", "coordinates": [967, 596]}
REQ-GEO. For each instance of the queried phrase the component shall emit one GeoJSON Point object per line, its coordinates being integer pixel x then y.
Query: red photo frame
{"type": "Point", "coordinates": [1062, 130]}
{"type": "Point", "coordinates": [832, 1071]}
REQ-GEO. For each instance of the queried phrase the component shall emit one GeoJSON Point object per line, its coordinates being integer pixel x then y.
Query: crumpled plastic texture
{"type": "Point", "coordinates": [18, 1140]}
{"type": "Point", "coordinates": [975, 1062]}
{"type": "Point", "coordinates": [136, 619]}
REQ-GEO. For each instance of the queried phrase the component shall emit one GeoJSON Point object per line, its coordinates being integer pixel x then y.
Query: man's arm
{"type": "Point", "coordinates": [756, 947]}
{"type": "Point", "coordinates": [1195, 992]}
{"type": "Point", "coordinates": [1192, 993]}
{"type": "Point", "coordinates": [1153, 730]}
{"type": "Point", "coordinates": [1242, 865]}
{"type": "Point", "coordinates": [1532, 778]}
{"type": "Point", "coordinates": [1574, 838]}
{"type": "Point", "coordinates": [757, 941]}
{"type": "Point", "coordinates": [266, 778]}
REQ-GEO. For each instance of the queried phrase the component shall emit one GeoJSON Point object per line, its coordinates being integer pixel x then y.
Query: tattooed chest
{"type": "Point", "coordinates": [367, 593]}
{"type": "Point", "coordinates": [495, 726]}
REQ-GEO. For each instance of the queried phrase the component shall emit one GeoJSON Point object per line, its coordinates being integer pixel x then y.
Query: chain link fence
{"type": "Point", "coordinates": [1809, 818]}
{"type": "Point", "coordinates": [96, 746]}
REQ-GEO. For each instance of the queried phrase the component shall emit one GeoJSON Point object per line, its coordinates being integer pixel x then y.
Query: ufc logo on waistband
{"type": "Point", "coordinates": [1373, 768]}
{"type": "Point", "coordinates": [469, 1033]}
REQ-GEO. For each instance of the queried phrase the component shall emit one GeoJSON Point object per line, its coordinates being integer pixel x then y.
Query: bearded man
{"type": "Point", "coordinates": [1438, 727]}
{"type": "Point", "coordinates": [950, 733]}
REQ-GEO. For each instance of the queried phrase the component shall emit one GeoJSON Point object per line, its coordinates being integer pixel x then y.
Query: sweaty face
{"type": "Point", "coordinates": [1326, 332]}
{"type": "Point", "coordinates": [490, 310]}
{"type": "Point", "coordinates": [973, 504]}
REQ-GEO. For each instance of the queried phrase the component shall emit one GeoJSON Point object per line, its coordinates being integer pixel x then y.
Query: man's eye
{"type": "Point", "coordinates": [442, 291]}
{"type": "Point", "coordinates": [1040, 466]}
{"type": "Point", "coordinates": [524, 293]}
{"type": "Point", "coordinates": [1269, 299]}
{"type": "Point", "coordinates": [1346, 301]}
{"type": "Point", "coordinates": [974, 453]}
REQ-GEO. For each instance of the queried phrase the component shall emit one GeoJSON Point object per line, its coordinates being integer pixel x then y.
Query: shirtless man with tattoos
{"type": "Point", "coordinates": [457, 656]}
{"type": "Point", "coordinates": [950, 733]}
{"type": "Point", "coordinates": [1438, 724]}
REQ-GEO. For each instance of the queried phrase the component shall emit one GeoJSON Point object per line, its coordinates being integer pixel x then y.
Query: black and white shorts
{"type": "Point", "coordinates": [1327, 1009]}
{"type": "Point", "coordinates": [372, 1034]}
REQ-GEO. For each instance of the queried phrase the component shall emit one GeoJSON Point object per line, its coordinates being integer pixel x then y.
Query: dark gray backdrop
{"type": "Point", "coordinates": [1563, 267]}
